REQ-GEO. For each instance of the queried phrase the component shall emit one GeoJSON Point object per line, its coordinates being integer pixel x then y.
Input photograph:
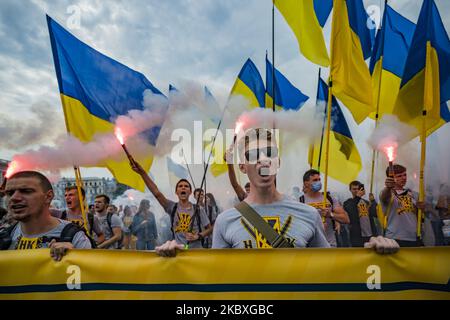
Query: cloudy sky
{"type": "Point", "coordinates": [206, 41]}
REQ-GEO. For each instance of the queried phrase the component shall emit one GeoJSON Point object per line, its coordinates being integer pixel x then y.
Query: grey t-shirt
{"type": "Point", "coordinates": [21, 241]}
{"type": "Point", "coordinates": [182, 221]}
{"type": "Point", "coordinates": [317, 202]}
{"type": "Point", "coordinates": [402, 218]}
{"type": "Point", "coordinates": [364, 220]}
{"type": "Point", "coordinates": [298, 223]}
{"type": "Point", "coordinates": [115, 223]}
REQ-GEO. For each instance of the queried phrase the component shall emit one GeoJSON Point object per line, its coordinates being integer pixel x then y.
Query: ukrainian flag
{"type": "Point", "coordinates": [94, 91]}
{"type": "Point", "coordinates": [351, 45]}
{"type": "Point", "coordinates": [302, 18]}
{"type": "Point", "coordinates": [287, 97]}
{"type": "Point", "coordinates": [389, 58]}
{"type": "Point", "coordinates": [322, 9]}
{"type": "Point", "coordinates": [344, 161]}
{"type": "Point", "coordinates": [426, 78]}
{"type": "Point", "coordinates": [249, 84]}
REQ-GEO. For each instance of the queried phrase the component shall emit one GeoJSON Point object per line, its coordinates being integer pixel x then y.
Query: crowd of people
{"type": "Point", "coordinates": [262, 218]}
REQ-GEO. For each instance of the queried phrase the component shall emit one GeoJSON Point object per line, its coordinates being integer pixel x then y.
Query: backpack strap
{"type": "Point", "coordinates": [273, 238]}
{"type": "Point", "coordinates": [109, 220]}
{"type": "Point", "coordinates": [90, 218]}
{"type": "Point", "coordinates": [172, 218]}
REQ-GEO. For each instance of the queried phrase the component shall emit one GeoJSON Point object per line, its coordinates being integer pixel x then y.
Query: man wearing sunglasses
{"type": "Point", "coordinates": [298, 223]}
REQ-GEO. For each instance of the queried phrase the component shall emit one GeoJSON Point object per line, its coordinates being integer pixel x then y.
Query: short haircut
{"type": "Point", "coordinates": [104, 196]}
{"type": "Point", "coordinates": [183, 180]}
{"type": "Point", "coordinates": [354, 183]}
{"type": "Point", "coordinates": [254, 134]}
{"type": "Point", "coordinates": [308, 174]}
{"type": "Point", "coordinates": [198, 190]}
{"type": "Point", "coordinates": [397, 169]}
{"type": "Point", "coordinates": [83, 193]}
{"type": "Point", "coordinates": [43, 181]}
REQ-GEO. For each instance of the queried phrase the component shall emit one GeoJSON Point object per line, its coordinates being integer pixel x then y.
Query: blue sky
{"type": "Point", "coordinates": [206, 41]}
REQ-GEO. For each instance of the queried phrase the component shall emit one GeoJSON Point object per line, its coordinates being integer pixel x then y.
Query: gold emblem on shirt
{"type": "Point", "coordinates": [274, 222]}
{"type": "Point", "coordinates": [362, 209]}
{"type": "Point", "coordinates": [405, 204]}
{"type": "Point", "coordinates": [183, 223]}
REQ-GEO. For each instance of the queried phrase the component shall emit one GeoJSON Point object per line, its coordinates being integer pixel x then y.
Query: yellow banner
{"type": "Point", "coordinates": [419, 273]}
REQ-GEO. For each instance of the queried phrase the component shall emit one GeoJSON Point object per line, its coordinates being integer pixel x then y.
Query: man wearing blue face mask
{"type": "Point", "coordinates": [333, 214]}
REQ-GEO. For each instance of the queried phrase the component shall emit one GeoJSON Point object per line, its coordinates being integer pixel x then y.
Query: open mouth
{"type": "Point", "coordinates": [17, 207]}
{"type": "Point", "coordinates": [264, 171]}
{"type": "Point", "coordinates": [183, 193]}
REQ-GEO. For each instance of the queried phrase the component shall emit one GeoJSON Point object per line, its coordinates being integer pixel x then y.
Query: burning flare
{"type": "Point", "coordinates": [12, 169]}
{"type": "Point", "coordinates": [119, 135]}
{"type": "Point", "coordinates": [239, 126]}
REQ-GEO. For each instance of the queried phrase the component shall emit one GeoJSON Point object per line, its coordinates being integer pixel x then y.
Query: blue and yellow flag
{"type": "Point", "coordinates": [287, 97]}
{"type": "Point", "coordinates": [250, 85]}
{"type": "Point", "coordinates": [352, 83]}
{"type": "Point", "coordinates": [426, 78]}
{"type": "Point", "coordinates": [322, 8]}
{"type": "Point", "coordinates": [95, 90]}
{"type": "Point", "coordinates": [344, 160]}
{"type": "Point", "coordinates": [302, 18]}
{"type": "Point", "coordinates": [389, 58]}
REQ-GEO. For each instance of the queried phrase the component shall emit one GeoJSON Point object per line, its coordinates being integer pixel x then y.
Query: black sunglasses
{"type": "Point", "coordinates": [254, 154]}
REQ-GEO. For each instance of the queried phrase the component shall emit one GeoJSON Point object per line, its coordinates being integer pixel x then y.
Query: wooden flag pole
{"type": "Point", "coordinates": [79, 183]}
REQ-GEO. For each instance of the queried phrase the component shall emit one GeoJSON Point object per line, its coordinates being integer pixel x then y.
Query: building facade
{"type": "Point", "coordinates": [92, 186]}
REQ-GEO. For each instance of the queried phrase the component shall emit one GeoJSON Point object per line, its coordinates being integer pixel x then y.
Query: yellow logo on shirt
{"type": "Point", "coordinates": [28, 243]}
{"type": "Point", "coordinates": [183, 223]}
{"type": "Point", "coordinates": [406, 204]}
{"type": "Point", "coordinates": [274, 222]}
{"type": "Point", "coordinates": [362, 209]}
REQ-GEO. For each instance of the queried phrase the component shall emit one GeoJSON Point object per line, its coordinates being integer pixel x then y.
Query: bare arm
{"type": "Point", "coordinates": [116, 237]}
{"type": "Point", "coordinates": [386, 193]}
{"type": "Point", "coordinates": [151, 185]}
{"type": "Point", "coordinates": [340, 215]}
{"type": "Point", "coordinates": [236, 187]}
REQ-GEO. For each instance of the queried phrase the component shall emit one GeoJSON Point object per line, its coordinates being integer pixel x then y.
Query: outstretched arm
{"type": "Point", "coordinates": [150, 185]}
{"type": "Point", "coordinates": [232, 175]}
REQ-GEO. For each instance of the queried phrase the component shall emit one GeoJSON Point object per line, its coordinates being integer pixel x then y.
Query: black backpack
{"type": "Point", "coordinates": [67, 235]}
{"type": "Point", "coordinates": [90, 218]}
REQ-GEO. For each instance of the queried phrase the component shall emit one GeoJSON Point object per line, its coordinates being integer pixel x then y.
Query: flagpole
{"type": "Point", "coordinates": [79, 183]}
{"type": "Point", "coordinates": [329, 105]}
{"type": "Point", "coordinates": [423, 148]}
{"type": "Point", "coordinates": [323, 129]}
{"type": "Point", "coordinates": [189, 170]}
{"type": "Point", "coordinates": [273, 56]}
{"type": "Point", "coordinates": [375, 152]}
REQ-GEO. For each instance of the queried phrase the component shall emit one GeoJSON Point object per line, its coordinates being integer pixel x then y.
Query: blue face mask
{"type": "Point", "coordinates": [316, 186]}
